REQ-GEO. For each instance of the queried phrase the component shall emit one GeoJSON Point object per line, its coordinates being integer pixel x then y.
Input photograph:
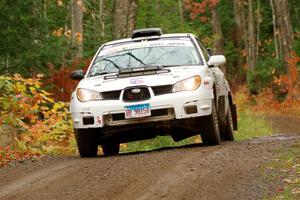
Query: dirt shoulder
{"type": "Point", "coordinates": [228, 171]}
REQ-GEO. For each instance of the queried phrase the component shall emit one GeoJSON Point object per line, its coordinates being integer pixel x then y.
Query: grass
{"type": "Point", "coordinates": [251, 125]}
{"type": "Point", "coordinates": [157, 143]}
{"type": "Point", "coordinates": [284, 173]}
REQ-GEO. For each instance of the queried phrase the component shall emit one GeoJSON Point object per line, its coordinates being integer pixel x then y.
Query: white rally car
{"type": "Point", "coordinates": [148, 85]}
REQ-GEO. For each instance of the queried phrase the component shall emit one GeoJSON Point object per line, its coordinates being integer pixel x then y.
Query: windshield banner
{"type": "Point", "coordinates": [145, 44]}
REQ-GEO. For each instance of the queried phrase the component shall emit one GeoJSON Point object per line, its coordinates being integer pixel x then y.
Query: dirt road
{"type": "Point", "coordinates": [228, 171]}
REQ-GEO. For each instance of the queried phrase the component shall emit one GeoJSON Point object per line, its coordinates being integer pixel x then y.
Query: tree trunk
{"type": "Point", "coordinates": [101, 17]}
{"type": "Point", "coordinates": [283, 28]}
{"type": "Point", "coordinates": [241, 32]}
{"type": "Point", "coordinates": [77, 26]}
{"type": "Point", "coordinates": [124, 18]}
{"type": "Point", "coordinates": [7, 63]}
{"type": "Point", "coordinates": [180, 7]}
{"type": "Point", "coordinates": [251, 36]}
{"type": "Point", "coordinates": [239, 17]}
{"type": "Point", "coordinates": [258, 17]}
{"type": "Point", "coordinates": [274, 29]}
{"type": "Point", "coordinates": [131, 19]}
{"type": "Point", "coordinates": [218, 35]}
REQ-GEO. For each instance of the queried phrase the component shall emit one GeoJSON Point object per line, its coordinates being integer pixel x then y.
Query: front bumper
{"type": "Point", "coordinates": [110, 113]}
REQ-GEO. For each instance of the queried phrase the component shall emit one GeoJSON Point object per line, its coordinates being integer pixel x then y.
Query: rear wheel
{"type": "Point", "coordinates": [211, 134]}
{"type": "Point", "coordinates": [86, 144]}
{"type": "Point", "coordinates": [228, 129]}
{"type": "Point", "coordinates": [110, 149]}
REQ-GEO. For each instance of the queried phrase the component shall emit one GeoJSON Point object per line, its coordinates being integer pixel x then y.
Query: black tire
{"type": "Point", "coordinates": [86, 144]}
{"type": "Point", "coordinates": [228, 129]}
{"type": "Point", "coordinates": [110, 149]}
{"type": "Point", "coordinates": [211, 132]}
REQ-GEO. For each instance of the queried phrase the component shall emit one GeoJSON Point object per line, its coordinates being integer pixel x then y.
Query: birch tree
{"type": "Point", "coordinates": [283, 33]}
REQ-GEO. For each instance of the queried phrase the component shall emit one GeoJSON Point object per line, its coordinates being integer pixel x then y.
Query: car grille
{"type": "Point", "coordinates": [144, 94]}
{"type": "Point", "coordinates": [111, 95]}
{"type": "Point", "coordinates": [163, 89]}
{"type": "Point", "coordinates": [134, 94]}
{"type": "Point", "coordinates": [157, 115]}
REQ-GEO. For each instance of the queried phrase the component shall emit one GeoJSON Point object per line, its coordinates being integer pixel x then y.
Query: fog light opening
{"type": "Point", "coordinates": [190, 109]}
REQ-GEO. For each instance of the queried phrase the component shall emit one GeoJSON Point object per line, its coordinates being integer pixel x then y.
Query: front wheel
{"type": "Point", "coordinates": [211, 133]}
{"type": "Point", "coordinates": [86, 144]}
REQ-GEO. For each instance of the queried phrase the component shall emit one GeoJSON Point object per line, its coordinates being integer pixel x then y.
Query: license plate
{"type": "Point", "coordinates": [137, 111]}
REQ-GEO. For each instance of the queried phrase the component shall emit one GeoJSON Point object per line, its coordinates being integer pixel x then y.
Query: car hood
{"type": "Point", "coordinates": [176, 74]}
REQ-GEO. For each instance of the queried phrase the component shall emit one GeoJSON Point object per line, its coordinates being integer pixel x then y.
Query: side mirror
{"type": "Point", "coordinates": [77, 75]}
{"type": "Point", "coordinates": [216, 60]}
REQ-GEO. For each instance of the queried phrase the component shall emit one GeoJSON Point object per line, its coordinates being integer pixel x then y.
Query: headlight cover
{"type": "Point", "coordinates": [188, 84]}
{"type": "Point", "coordinates": [85, 95]}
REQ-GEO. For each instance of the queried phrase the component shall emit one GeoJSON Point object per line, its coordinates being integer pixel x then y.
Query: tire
{"type": "Point", "coordinates": [211, 132]}
{"type": "Point", "coordinates": [228, 129]}
{"type": "Point", "coordinates": [86, 144]}
{"type": "Point", "coordinates": [110, 149]}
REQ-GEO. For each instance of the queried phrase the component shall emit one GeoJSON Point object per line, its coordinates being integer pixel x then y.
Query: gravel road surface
{"type": "Point", "coordinates": [228, 171]}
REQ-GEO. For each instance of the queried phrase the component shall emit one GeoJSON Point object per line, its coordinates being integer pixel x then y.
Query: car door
{"type": "Point", "coordinates": [221, 84]}
{"type": "Point", "coordinates": [218, 75]}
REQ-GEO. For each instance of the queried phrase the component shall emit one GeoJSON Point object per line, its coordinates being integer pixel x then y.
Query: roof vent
{"type": "Point", "coordinates": [146, 32]}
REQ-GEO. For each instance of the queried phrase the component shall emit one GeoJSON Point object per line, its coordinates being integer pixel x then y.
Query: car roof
{"type": "Point", "coordinates": [149, 37]}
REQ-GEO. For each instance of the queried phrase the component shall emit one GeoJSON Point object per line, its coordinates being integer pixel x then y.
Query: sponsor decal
{"type": "Point", "coordinates": [99, 119]}
{"type": "Point", "coordinates": [136, 81]}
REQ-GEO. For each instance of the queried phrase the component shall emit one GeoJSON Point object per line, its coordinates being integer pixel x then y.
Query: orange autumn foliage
{"type": "Point", "coordinates": [62, 84]}
{"type": "Point", "coordinates": [287, 85]}
{"type": "Point", "coordinates": [199, 8]}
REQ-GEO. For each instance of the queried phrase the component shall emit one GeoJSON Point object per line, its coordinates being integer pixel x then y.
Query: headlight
{"type": "Point", "coordinates": [189, 84]}
{"type": "Point", "coordinates": [85, 95]}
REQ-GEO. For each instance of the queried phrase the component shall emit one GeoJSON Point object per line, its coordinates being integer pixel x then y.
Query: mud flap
{"type": "Point", "coordinates": [234, 117]}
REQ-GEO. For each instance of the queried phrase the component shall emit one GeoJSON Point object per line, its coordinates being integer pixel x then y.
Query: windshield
{"type": "Point", "coordinates": [164, 53]}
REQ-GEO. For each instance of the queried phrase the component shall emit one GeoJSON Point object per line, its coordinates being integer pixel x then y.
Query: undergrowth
{"type": "Point", "coordinates": [32, 120]}
{"type": "Point", "coordinates": [250, 123]}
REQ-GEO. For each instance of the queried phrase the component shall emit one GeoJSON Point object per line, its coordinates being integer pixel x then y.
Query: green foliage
{"type": "Point", "coordinates": [297, 45]}
{"type": "Point", "coordinates": [26, 40]}
{"type": "Point", "coordinates": [262, 75]}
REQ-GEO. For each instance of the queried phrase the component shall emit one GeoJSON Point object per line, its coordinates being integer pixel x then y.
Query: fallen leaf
{"type": "Point", "coordinates": [296, 191]}
{"type": "Point", "coordinates": [292, 181]}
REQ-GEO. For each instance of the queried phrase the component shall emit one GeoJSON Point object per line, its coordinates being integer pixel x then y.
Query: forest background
{"type": "Point", "coordinates": [41, 42]}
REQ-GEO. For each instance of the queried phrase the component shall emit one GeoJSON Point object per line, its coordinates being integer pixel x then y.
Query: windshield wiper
{"type": "Point", "coordinates": [136, 58]}
{"type": "Point", "coordinates": [112, 62]}
{"type": "Point", "coordinates": [124, 54]}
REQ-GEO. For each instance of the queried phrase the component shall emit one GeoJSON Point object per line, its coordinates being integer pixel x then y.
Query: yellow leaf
{"type": "Point", "coordinates": [59, 2]}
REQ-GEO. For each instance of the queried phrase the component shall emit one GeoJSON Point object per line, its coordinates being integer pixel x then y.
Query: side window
{"type": "Point", "coordinates": [203, 49]}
